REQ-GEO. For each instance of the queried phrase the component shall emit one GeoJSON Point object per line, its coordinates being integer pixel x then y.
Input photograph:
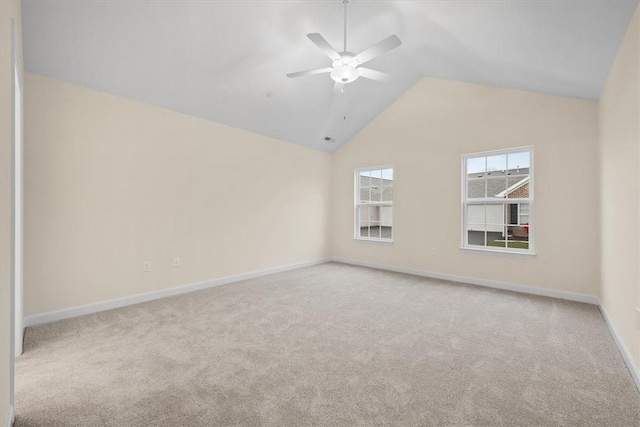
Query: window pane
{"type": "Point", "coordinates": [476, 234]}
{"type": "Point", "coordinates": [374, 232]}
{"type": "Point", "coordinates": [495, 225]}
{"type": "Point", "coordinates": [476, 165]}
{"type": "Point", "coordinates": [377, 175]}
{"type": "Point", "coordinates": [476, 178]}
{"type": "Point", "coordinates": [477, 225]}
{"type": "Point", "coordinates": [511, 213]}
{"type": "Point", "coordinates": [496, 175]}
{"type": "Point", "coordinates": [524, 214]}
{"type": "Point", "coordinates": [364, 221]}
{"type": "Point", "coordinates": [517, 214]}
{"type": "Point", "coordinates": [476, 214]}
{"type": "Point", "coordinates": [365, 194]}
{"type": "Point", "coordinates": [364, 179]}
{"type": "Point", "coordinates": [518, 187]}
{"type": "Point", "coordinates": [476, 186]}
{"type": "Point", "coordinates": [387, 194]}
{"type": "Point", "coordinates": [518, 237]}
{"type": "Point", "coordinates": [496, 239]}
{"type": "Point", "coordinates": [518, 175]}
{"type": "Point", "coordinates": [376, 191]}
{"type": "Point", "coordinates": [386, 222]}
{"type": "Point", "coordinates": [387, 174]}
{"type": "Point", "coordinates": [495, 217]}
{"type": "Point", "coordinates": [496, 184]}
{"type": "Point", "coordinates": [497, 163]}
{"type": "Point", "coordinates": [519, 162]}
{"type": "Point", "coordinates": [374, 216]}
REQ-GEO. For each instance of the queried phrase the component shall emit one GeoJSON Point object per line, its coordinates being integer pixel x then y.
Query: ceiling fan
{"type": "Point", "coordinates": [347, 66]}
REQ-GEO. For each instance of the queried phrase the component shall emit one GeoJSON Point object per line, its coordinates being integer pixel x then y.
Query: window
{"type": "Point", "coordinates": [497, 201]}
{"type": "Point", "coordinates": [374, 204]}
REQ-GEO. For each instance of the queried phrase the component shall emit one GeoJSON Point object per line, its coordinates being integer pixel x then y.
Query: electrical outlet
{"type": "Point", "coordinates": [434, 251]}
{"type": "Point", "coordinates": [638, 317]}
{"type": "Point", "coordinates": [146, 266]}
{"type": "Point", "coordinates": [176, 261]}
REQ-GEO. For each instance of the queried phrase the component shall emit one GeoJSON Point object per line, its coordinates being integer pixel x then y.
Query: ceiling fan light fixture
{"type": "Point", "coordinates": [345, 74]}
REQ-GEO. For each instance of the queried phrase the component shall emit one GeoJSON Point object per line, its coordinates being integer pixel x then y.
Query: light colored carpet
{"type": "Point", "coordinates": [330, 345]}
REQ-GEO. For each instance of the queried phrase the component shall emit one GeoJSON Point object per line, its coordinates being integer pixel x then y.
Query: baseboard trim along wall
{"type": "Point", "coordinates": [54, 316]}
{"type": "Point", "coordinates": [624, 351]}
{"type": "Point", "coordinates": [67, 313]}
{"type": "Point", "coordinates": [589, 299]}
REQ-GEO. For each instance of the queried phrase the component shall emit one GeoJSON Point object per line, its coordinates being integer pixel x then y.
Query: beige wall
{"type": "Point", "coordinates": [620, 184]}
{"type": "Point", "coordinates": [8, 10]}
{"type": "Point", "coordinates": [425, 133]}
{"type": "Point", "coordinates": [111, 183]}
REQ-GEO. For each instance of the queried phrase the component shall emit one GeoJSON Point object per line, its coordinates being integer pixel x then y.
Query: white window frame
{"type": "Point", "coordinates": [358, 204]}
{"type": "Point", "coordinates": [499, 201]}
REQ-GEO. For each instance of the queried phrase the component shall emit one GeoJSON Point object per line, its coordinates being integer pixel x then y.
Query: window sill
{"type": "Point", "coordinates": [370, 240]}
{"type": "Point", "coordinates": [498, 252]}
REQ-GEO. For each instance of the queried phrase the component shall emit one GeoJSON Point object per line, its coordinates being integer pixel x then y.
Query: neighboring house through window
{"type": "Point", "coordinates": [374, 203]}
{"type": "Point", "coordinates": [497, 198]}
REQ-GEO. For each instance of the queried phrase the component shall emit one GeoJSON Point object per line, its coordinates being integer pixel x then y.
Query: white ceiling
{"type": "Point", "coordinates": [219, 59]}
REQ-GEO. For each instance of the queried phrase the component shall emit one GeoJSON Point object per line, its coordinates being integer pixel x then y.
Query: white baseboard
{"type": "Point", "coordinates": [624, 351]}
{"type": "Point", "coordinates": [10, 417]}
{"type": "Point", "coordinates": [571, 296]}
{"type": "Point", "coordinates": [67, 313]}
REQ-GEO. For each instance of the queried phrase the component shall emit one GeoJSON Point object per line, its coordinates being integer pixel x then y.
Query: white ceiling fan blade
{"type": "Point", "coordinates": [338, 88]}
{"type": "Point", "coordinates": [310, 72]}
{"type": "Point", "coordinates": [323, 44]}
{"type": "Point", "coordinates": [378, 76]}
{"type": "Point", "coordinates": [378, 49]}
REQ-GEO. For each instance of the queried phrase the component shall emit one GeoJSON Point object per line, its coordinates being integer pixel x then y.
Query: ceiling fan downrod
{"type": "Point", "coordinates": [345, 24]}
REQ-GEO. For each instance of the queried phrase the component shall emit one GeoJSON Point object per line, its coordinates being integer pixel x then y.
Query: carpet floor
{"type": "Point", "coordinates": [329, 345]}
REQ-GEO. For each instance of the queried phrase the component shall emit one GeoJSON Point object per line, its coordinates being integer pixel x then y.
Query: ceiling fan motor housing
{"type": "Point", "coordinates": [345, 68]}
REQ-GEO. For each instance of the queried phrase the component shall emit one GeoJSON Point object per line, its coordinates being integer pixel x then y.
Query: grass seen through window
{"type": "Point", "coordinates": [510, 244]}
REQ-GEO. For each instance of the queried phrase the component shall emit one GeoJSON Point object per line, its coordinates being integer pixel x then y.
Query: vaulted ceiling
{"type": "Point", "coordinates": [227, 61]}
